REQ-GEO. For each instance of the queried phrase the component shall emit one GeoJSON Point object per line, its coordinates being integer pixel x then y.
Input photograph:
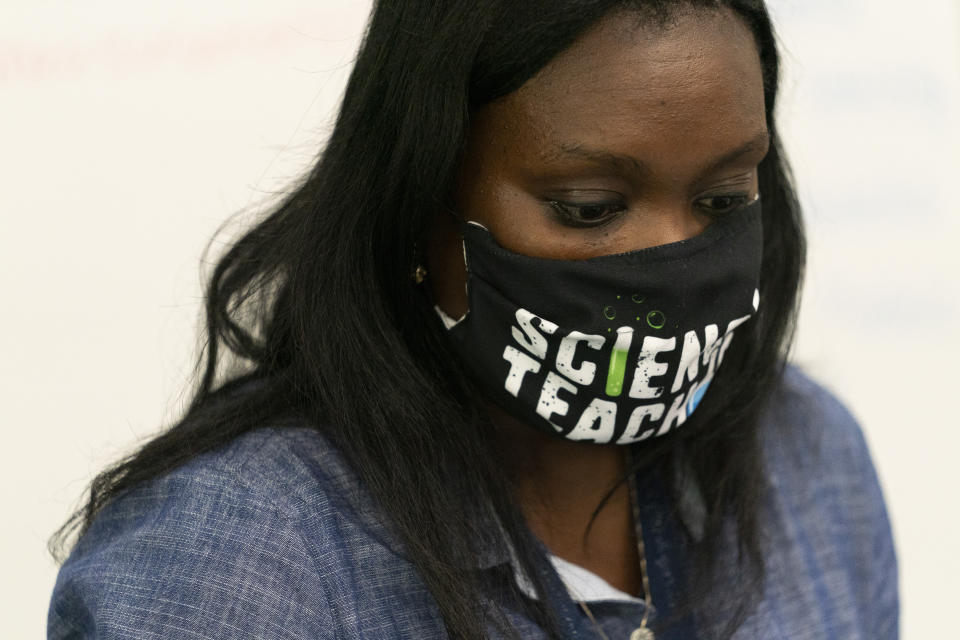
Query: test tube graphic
{"type": "Point", "coordinates": [618, 361]}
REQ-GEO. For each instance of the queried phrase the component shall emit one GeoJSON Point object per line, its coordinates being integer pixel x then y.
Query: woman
{"type": "Point", "coordinates": [515, 364]}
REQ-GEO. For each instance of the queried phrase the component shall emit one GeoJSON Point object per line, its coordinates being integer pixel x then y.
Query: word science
{"type": "Point", "coordinates": [624, 387]}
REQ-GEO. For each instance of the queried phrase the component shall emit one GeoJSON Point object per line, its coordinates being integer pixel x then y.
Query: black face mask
{"type": "Point", "coordinates": [612, 349]}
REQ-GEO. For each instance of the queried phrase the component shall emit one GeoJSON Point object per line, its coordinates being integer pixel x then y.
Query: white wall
{"type": "Point", "coordinates": [872, 115]}
{"type": "Point", "coordinates": [130, 131]}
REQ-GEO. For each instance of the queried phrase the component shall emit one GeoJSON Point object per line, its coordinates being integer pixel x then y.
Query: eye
{"type": "Point", "coordinates": [591, 214]}
{"type": "Point", "coordinates": [721, 204]}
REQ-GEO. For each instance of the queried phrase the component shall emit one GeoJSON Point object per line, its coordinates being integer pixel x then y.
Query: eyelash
{"type": "Point", "coordinates": [565, 210]}
{"type": "Point", "coordinates": [740, 200]}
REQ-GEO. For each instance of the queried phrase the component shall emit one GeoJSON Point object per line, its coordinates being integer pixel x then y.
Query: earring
{"type": "Point", "coordinates": [419, 274]}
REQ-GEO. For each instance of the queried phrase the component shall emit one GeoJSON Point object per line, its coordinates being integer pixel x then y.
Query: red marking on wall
{"type": "Point", "coordinates": [124, 54]}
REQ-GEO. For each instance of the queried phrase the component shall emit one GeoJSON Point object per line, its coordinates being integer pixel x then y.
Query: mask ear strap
{"type": "Point", "coordinates": [462, 228]}
{"type": "Point", "coordinates": [462, 225]}
{"type": "Point", "coordinates": [454, 215]}
{"type": "Point", "coordinates": [460, 221]}
{"type": "Point", "coordinates": [419, 273]}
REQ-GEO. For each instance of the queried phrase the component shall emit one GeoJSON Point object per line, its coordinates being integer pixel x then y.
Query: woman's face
{"type": "Point", "coordinates": [631, 138]}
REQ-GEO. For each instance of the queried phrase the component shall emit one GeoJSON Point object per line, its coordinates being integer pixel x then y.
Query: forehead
{"type": "Point", "coordinates": [626, 83]}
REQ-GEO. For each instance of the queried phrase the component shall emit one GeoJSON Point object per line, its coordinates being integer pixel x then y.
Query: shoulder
{"type": "Point", "coordinates": [214, 548]}
{"type": "Point", "coordinates": [826, 508]}
{"type": "Point", "coordinates": [799, 400]}
{"type": "Point", "coordinates": [809, 433]}
{"type": "Point", "coordinates": [815, 450]}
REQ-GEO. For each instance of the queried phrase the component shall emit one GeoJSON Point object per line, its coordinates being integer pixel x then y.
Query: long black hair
{"type": "Point", "coordinates": [317, 304]}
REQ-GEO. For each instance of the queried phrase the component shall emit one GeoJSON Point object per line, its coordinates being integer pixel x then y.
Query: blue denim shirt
{"type": "Point", "coordinates": [273, 537]}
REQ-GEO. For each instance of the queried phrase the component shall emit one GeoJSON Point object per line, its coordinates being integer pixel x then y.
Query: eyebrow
{"type": "Point", "coordinates": [760, 141]}
{"type": "Point", "coordinates": [628, 164]}
{"type": "Point", "coordinates": [615, 161]}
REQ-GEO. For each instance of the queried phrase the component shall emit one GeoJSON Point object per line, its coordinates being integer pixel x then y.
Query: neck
{"type": "Point", "coordinates": [558, 484]}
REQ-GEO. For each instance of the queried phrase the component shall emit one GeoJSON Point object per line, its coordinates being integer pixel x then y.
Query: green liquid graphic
{"type": "Point", "coordinates": [618, 361]}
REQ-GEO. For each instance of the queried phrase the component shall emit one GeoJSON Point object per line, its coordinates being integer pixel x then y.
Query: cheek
{"type": "Point", "coordinates": [493, 188]}
{"type": "Point", "coordinates": [515, 217]}
{"type": "Point", "coordinates": [523, 222]}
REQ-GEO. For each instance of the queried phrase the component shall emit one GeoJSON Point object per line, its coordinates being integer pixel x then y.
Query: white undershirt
{"type": "Point", "coordinates": [583, 584]}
